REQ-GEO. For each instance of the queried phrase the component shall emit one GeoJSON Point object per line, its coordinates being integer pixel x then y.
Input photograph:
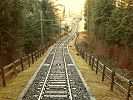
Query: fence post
{"type": "Point", "coordinates": [103, 74]}
{"type": "Point", "coordinates": [87, 58]}
{"type": "Point", "coordinates": [92, 65]}
{"type": "Point", "coordinates": [112, 80]}
{"type": "Point", "coordinates": [29, 60]}
{"type": "Point", "coordinates": [81, 52]}
{"type": "Point", "coordinates": [129, 89]}
{"type": "Point", "coordinates": [46, 46]}
{"type": "Point", "coordinates": [42, 50]}
{"type": "Point", "coordinates": [40, 53]}
{"type": "Point", "coordinates": [36, 55]}
{"type": "Point", "coordinates": [90, 60]}
{"type": "Point", "coordinates": [14, 68]}
{"type": "Point", "coordinates": [22, 65]}
{"type": "Point", "coordinates": [76, 47]}
{"type": "Point", "coordinates": [50, 43]}
{"type": "Point", "coordinates": [32, 58]}
{"type": "Point", "coordinates": [97, 65]}
{"type": "Point", "coordinates": [3, 76]}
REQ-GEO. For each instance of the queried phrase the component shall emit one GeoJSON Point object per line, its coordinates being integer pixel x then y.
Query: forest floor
{"type": "Point", "coordinates": [100, 90]}
{"type": "Point", "coordinates": [17, 84]}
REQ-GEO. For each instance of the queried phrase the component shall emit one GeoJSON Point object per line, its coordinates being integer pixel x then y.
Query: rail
{"type": "Point", "coordinates": [44, 84]}
{"type": "Point", "coordinates": [68, 80]}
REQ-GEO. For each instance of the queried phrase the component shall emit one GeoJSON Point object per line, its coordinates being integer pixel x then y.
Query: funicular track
{"type": "Point", "coordinates": [58, 78]}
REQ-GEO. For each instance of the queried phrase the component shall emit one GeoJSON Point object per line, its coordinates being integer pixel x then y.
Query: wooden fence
{"type": "Point", "coordinates": [116, 80]}
{"type": "Point", "coordinates": [19, 65]}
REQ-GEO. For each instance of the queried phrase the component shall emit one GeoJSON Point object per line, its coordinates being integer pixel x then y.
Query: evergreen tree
{"type": "Point", "coordinates": [120, 25]}
{"type": "Point", "coordinates": [19, 28]}
{"type": "Point", "coordinates": [10, 16]}
{"type": "Point", "coordinates": [110, 20]}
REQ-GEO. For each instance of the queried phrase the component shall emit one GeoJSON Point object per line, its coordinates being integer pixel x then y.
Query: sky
{"type": "Point", "coordinates": [74, 6]}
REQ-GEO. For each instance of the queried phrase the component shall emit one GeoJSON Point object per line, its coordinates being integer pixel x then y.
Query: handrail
{"type": "Point", "coordinates": [100, 67]}
{"type": "Point", "coordinates": [12, 68]}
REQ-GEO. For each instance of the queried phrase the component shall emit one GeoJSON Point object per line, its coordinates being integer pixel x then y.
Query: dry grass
{"type": "Point", "coordinates": [101, 90]}
{"type": "Point", "coordinates": [16, 85]}
{"type": "Point", "coordinates": [113, 55]}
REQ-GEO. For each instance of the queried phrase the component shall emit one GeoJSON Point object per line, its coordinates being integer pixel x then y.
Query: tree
{"type": "Point", "coordinates": [31, 27]}
{"type": "Point", "coordinates": [111, 23]}
{"type": "Point", "coordinates": [19, 28]}
{"type": "Point", "coordinates": [110, 20]}
{"type": "Point", "coordinates": [10, 12]}
{"type": "Point", "coordinates": [120, 25]}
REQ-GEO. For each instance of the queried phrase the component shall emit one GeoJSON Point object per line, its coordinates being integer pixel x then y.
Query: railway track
{"type": "Point", "coordinates": [58, 78]}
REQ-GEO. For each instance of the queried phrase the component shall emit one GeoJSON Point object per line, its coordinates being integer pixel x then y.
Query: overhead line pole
{"type": "Point", "coordinates": [47, 20]}
{"type": "Point", "coordinates": [41, 16]}
{"type": "Point", "coordinates": [87, 18]}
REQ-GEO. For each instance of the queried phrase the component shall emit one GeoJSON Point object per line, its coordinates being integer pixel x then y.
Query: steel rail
{"type": "Point", "coordinates": [65, 66]}
{"type": "Point", "coordinates": [48, 73]}
{"type": "Point", "coordinates": [68, 82]}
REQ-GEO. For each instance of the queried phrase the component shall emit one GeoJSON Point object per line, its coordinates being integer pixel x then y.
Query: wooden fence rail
{"type": "Point", "coordinates": [8, 71]}
{"type": "Point", "coordinates": [116, 80]}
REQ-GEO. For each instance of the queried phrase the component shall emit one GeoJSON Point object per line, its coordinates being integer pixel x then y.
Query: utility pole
{"type": "Point", "coordinates": [41, 22]}
{"type": "Point", "coordinates": [52, 26]}
{"type": "Point", "coordinates": [64, 11]}
{"type": "Point", "coordinates": [41, 16]}
{"type": "Point", "coordinates": [87, 19]}
{"type": "Point", "coordinates": [60, 27]}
